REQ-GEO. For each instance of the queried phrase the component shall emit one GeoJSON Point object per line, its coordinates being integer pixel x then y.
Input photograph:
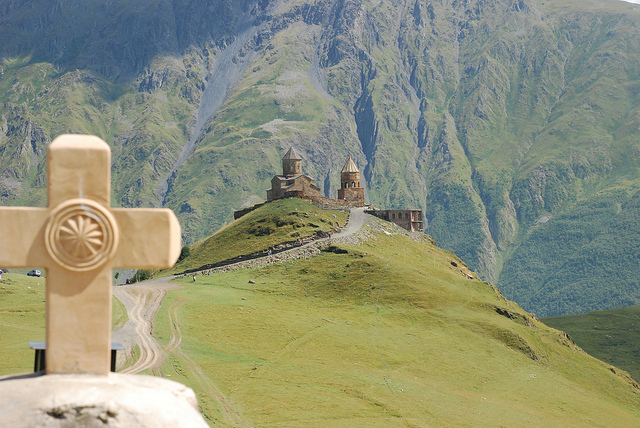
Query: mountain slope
{"type": "Point", "coordinates": [512, 124]}
{"type": "Point", "coordinates": [383, 332]}
{"type": "Point", "coordinates": [609, 335]}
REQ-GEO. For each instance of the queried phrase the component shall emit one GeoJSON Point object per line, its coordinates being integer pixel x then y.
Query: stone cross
{"type": "Point", "coordinates": [79, 239]}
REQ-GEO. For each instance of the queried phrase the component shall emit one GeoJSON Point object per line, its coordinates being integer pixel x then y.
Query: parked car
{"type": "Point", "coordinates": [34, 272]}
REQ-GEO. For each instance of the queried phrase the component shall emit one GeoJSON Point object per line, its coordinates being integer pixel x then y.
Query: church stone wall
{"type": "Point", "coordinates": [303, 185]}
{"type": "Point", "coordinates": [355, 195]}
{"type": "Point", "coordinates": [287, 187]}
{"type": "Point", "coordinates": [349, 179]}
{"type": "Point", "coordinates": [291, 166]}
{"type": "Point", "coordinates": [410, 220]}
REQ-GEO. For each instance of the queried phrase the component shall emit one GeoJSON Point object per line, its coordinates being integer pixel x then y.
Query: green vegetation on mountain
{"type": "Point", "coordinates": [277, 222]}
{"type": "Point", "coordinates": [387, 332]}
{"type": "Point", "coordinates": [590, 262]}
{"type": "Point", "coordinates": [611, 336]}
{"type": "Point", "coordinates": [513, 124]}
{"type": "Point", "coordinates": [40, 103]}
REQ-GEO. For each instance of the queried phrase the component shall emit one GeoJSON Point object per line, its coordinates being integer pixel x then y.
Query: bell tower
{"type": "Point", "coordinates": [350, 189]}
{"type": "Point", "coordinates": [291, 163]}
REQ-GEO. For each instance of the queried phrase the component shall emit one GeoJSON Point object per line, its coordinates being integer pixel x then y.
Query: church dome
{"type": "Point", "coordinates": [350, 166]}
{"type": "Point", "coordinates": [292, 155]}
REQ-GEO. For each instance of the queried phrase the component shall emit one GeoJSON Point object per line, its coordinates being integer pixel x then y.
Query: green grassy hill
{"type": "Point", "coordinates": [274, 223]}
{"type": "Point", "coordinates": [609, 335]}
{"type": "Point", "coordinates": [385, 332]}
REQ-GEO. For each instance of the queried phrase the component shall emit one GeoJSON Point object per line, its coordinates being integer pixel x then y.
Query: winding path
{"type": "Point", "coordinates": [357, 218]}
{"type": "Point", "coordinates": [142, 301]}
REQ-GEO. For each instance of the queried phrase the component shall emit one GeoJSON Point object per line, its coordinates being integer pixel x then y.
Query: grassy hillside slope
{"type": "Point", "coordinates": [609, 335]}
{"type": "Point", "coordinates": [387, 332]}
{"type": "Point", "coordinates": [274, 223]}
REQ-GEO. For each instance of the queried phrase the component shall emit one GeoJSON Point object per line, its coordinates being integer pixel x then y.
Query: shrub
{"type": "Point", "coordinates": [141, 275]}
{"type": "Point", "coordinates": [184, 253]}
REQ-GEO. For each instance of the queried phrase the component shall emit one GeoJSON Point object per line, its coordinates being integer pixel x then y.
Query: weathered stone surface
{"type": "Point", "coordinates": [89, 401]}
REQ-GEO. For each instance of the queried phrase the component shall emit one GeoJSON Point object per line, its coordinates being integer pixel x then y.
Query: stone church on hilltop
{"type": "Point", "coordinates": [293, 183]}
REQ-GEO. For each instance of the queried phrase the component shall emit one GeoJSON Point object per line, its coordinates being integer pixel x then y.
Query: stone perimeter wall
{"type": "Point", "coordinates": [285, 246]}
{"type": "Point", "coordinates": [302, 248]}
{"type": "Point", "coordinates": [303, 252]}
{"type": "Point", "coordinates": [315, 247]}
{"type": "Point", "coordinates": [319, 201]}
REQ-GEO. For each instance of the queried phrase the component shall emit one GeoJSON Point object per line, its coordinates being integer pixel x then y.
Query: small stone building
{"type": "Point", "coordinates": [350, 189]}
{"type": "Point", "coordinates": [292, 182]}
{"type": "Point", "coordinates": [410, 220]}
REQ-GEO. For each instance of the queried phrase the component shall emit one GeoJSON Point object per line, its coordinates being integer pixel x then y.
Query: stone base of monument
{"type": "Point", "coordinates": [116, 400]}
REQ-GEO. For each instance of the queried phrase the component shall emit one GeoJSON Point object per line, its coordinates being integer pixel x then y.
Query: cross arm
{"type": "Point", "coordinates": [21, 237]}
{"type": "Point", "coordinates": [149, 238]}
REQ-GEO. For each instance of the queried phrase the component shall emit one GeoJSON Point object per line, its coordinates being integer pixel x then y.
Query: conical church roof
{"type": "Point", "coordinates": [292, 154]}
{"type": "Point", "coordinates": [350, 166]}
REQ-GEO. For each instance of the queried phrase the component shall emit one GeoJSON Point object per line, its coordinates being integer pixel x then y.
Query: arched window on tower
{"type": "Point", "coordinates": [393, 216]}
{"type": "Point", "coordinates": [353, 184]}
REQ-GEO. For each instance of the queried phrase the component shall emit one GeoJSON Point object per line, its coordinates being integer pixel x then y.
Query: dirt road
{"type": "Point", "coordinates": [142, 301]}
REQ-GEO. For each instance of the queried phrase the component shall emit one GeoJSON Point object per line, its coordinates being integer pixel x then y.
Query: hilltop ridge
{"type": "Point", "coordinates": [386, 330]}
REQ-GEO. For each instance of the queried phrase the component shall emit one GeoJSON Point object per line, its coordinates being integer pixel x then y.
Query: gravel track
{"type": "Point", "coordinates": [142, 301]}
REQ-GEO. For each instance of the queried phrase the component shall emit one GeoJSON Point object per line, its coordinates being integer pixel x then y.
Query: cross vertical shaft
{"type": "Point", "coordinates": [77, 238]}
{"type": "Point", "coordinates": [79, 297]}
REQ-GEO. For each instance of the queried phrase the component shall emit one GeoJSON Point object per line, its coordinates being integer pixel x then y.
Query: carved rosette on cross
{"type": "Point", "coordinates": [81, 235]}
{"type": "Point", "coordinates": [79, 238]}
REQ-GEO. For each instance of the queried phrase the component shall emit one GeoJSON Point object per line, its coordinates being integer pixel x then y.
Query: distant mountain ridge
{"type": "Point", "coordinates": [514, 124]}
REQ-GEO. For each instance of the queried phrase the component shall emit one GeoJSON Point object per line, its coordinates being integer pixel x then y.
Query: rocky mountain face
{"type": "Point", "coordinates": [514, 124]}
